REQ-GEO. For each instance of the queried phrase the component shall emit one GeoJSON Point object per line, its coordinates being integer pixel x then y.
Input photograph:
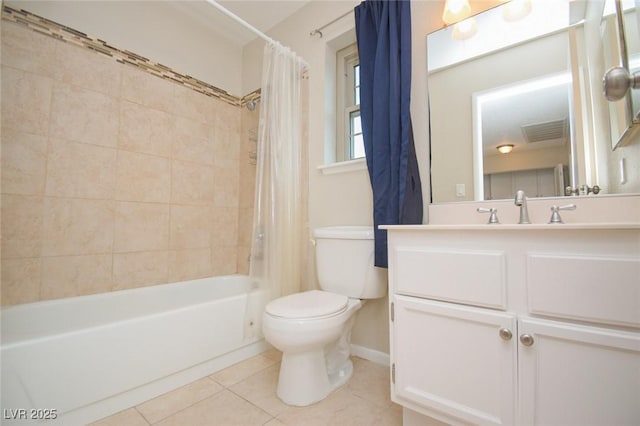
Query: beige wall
{"type": "Point", "coordinates": [628, 154]}
{"type": "Point", "coordinates": [161, 31]}
{"type": "Point", "coordinates": [112, 178]}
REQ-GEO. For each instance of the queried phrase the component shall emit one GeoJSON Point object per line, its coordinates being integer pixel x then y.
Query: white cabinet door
{"type": "Point", "coordinates": [450, 360]}
{"type": "Point", "coordinates": [578, 375]}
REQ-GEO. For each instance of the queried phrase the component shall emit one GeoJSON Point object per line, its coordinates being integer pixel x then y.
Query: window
{"type": "Point", "coordinates": [349, 141]}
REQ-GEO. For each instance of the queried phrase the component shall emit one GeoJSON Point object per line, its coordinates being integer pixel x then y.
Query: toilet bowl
{"type": "Point", "coordinates": [314, 345]}
{"type": "Point", "coordinates": [313, 328]}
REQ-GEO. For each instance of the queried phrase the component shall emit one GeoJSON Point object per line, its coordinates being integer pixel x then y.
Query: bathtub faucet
{"type": "Point", "coordinates": [521, 201]}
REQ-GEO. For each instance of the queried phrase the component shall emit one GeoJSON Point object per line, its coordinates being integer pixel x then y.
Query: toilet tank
{"type": "Point", "coordinates": [344, 262]}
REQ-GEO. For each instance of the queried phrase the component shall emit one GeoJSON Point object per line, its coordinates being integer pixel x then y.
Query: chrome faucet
{"type": "Point", "coordinates": [521, 201]}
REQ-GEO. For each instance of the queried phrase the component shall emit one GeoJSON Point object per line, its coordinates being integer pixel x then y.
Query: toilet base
{"type": "Point", "coordinates": [304, 379]}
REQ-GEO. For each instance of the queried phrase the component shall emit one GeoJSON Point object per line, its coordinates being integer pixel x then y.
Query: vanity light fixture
{"type": "Point", "coordinates": [465, 29]}
{"type": "Point", "coordinates": [505, 148]}
{"type": "Point", "coordinates": [455, 11]}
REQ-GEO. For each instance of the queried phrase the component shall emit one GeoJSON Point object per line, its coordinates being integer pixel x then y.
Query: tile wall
{"type": "Point", "coordinates": [247, 167]}
{"type": "Point", "coordinates": [114, 178]}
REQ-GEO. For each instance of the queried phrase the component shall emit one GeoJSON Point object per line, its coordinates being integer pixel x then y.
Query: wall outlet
{"type": "Point", "coordinates": [460, 190]}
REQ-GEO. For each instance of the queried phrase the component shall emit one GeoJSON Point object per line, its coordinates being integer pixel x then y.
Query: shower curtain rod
{"type": "Point", "coordinates": [250, 27]}
{"type": "Point", "coordinates": [319, 29]}
{"type": "Point", "coordinates": [241, 21]}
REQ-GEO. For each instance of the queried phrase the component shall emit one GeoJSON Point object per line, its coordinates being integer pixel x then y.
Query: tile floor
{"type": "Point", "coordinates": [245, 395]}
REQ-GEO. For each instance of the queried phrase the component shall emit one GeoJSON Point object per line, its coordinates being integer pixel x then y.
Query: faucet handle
{"type": "Point", "coordinates": [555, 212]}
{"type": "Point", "coordinates": [493, 218]}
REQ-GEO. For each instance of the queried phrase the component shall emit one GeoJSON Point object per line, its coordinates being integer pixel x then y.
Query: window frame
{"type": "Point", "coordinates": [347, 60]}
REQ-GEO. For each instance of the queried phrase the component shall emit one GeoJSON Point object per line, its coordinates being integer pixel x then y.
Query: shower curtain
{"type": "Point", "coordinates": [278, 252]}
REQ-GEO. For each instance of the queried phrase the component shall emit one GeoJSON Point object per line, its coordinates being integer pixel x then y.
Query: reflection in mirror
{"type": "Point", "coordinates": [539, 91]}
{"type": "Point", "coordinates": [538, 138]}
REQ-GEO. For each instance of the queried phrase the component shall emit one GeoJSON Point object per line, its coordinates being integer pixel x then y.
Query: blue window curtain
{"type": "Point", "coordinates": [383, 31]}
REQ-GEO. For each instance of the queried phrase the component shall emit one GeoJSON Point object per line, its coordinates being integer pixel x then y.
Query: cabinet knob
{"type": "Point", "coordinates": [505, 334]}
{"type": "Point", "coordinates": [526, 339]}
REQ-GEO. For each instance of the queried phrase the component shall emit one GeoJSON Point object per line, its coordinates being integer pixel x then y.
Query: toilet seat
{"type": "Point", "coordinates": [313, 304]}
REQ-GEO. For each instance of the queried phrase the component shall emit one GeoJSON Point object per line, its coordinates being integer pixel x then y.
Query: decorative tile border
{"type": "Point", "coordinates": [69, 35]}
{"type": "Point", "coordinates": [253, 96]}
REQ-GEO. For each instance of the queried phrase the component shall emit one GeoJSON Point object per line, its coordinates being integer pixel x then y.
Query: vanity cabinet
{"type": "Point", "coordinates": [516, 326]}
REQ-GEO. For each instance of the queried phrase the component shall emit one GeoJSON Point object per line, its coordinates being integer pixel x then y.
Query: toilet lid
{"type": "Point", "coordinates": [308, 304]}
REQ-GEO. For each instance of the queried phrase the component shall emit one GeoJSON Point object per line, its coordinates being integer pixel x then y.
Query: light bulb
{"type": "Point", "coordinates": [465, 29]}
{"type": "Point", "coordinates": [516, 9]}
{"type": "Point", "coordinates": [455, 11]}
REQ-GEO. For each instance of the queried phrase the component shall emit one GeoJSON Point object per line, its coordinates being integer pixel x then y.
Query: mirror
{"type": "Point", "coordinates": [528, 82]}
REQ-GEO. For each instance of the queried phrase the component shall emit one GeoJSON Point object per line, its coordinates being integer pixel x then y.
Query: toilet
{"type": "Point", "coordinates": [313, 328]}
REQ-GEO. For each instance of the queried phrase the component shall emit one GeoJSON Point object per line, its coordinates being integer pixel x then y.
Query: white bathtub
{"type": "Point", "coordinates": [84, 358]}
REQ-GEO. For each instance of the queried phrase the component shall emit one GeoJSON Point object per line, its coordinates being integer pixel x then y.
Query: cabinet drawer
{"type": "Point", "coordinates": [589, 288]}
{"type": "Point", "coordinates": [470, 277]}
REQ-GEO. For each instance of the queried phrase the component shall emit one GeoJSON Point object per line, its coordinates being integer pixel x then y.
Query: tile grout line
{"type": "Point", "coordinates": [254, 405]}
{"type": "Point", "coordinates": [180, 410]}
{"type": "Point", "coordinates": [135, 407]}
{"type": "Point", "coordinates": [223, 388]}
{"type": "Point", "coordinates": [247, 378]}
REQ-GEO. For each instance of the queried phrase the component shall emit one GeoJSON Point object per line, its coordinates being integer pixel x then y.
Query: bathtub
{"type": "Point", "coordinates": [79, 359]}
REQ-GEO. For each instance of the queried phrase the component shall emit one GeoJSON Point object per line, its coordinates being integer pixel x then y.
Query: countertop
{"type": "Point", "coordinates": [513, 227]}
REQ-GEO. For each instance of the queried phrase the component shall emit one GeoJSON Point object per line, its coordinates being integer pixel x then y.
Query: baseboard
{"type": "Point", "coordinates": [372, 355]}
